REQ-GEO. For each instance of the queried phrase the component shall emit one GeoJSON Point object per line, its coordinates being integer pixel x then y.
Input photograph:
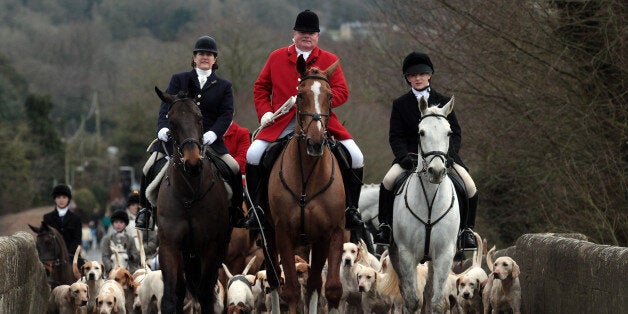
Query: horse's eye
{"type": "Point", "coordinates": [422, 133]}
{"type": "Point", "coordinates": [449, 134]}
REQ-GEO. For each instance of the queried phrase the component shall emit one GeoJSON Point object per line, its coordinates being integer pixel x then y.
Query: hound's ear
{"type": "Point", "coordinates": [68, 296]}
{"type": "Point", "coordinates": [515, 270]}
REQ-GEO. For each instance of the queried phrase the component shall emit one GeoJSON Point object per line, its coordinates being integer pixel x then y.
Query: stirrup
{"type": "Point", "coordinates": [466, 240]}
{"type": "Point", "coordinates": [148, 224]}
{"type": "Point", "coordinates": [383, 236]}
{"type": "Point", "coordinates": [353, 220]}
{"type": "Point", "coordinates": [251, 223]}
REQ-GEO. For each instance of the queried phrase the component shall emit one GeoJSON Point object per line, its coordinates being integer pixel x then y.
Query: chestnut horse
{"type": "Point", "coordinates": [307, 198]}
{"type": "Point", "coordinates": [192, 211]}
{"type": "Point", "coordinates": [54, 255]}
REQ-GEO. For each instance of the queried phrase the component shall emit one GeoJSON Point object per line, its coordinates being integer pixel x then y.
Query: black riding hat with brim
{"type": "Point", "coordinates": [417, 63]}
{"type": "Point", "coordinates": [61, 189]}
{"type": "Point", "coordinates": [120, 215]}
{"type": "Point", "coordinates": [206, 44]}
{"type": "Point", "coordinates": [307, 22]}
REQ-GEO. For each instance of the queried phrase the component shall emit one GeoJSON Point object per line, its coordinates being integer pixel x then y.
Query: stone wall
{"type": "Point", "coordinates": [564, 273]}
{"type": "Point", "coordinates": [23, 283]}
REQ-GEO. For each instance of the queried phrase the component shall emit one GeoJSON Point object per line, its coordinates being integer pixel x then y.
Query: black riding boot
{"type": "Point", "coordinates": [386, 201]}
{"type": "Point", "coordinates": [467, 238]}
{"type": "Point", "coordinates": [145, 212]}
{"type": "Point", "coordinates": [143, 218]}
{"type": "Point", "coordinates": [236, 215]}
{"type": "Point", "coordinates": [256, 184]}
{"type": "Point", "coordinates": [352, 179]}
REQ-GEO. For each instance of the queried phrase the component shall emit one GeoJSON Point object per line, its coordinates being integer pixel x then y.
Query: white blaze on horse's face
{"type": "Point", "coordinates": [316, 89]}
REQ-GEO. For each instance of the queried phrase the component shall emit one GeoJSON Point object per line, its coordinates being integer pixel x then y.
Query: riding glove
{"type": "Point", "coordinates": [267, 118]}
{"type": "Point", "coordinates": [209, 137]}
{"type": "Point", "coordinates": [163, 134]}
{"type": "Point", "coordinates": [407, 162]}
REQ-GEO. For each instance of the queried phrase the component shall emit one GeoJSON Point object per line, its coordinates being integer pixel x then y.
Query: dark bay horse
{"type": "Point", "coordinates": [192, 212]}
{"type": "Point", "coordinates": [53, 253]}
{"type": "Point", "coordinates": [307, 198]}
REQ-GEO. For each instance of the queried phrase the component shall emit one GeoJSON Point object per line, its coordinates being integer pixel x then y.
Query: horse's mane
{"type": "Point", "coordinates": [182, 94]}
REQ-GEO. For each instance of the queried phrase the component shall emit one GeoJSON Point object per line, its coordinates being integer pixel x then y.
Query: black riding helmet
{"type": "Point", "coordinates": [134, 198]}
{"type": "Point", "coordinates": [61, 189]}
{"type": "Point", "coordinates": [120, 215]}
{"type": "Point", "coordinates": [416, 63]}
{"type": "Point", "coordinates": [207, 44]}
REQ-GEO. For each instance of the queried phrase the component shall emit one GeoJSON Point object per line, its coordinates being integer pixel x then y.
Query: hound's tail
{"type": "Point", "coordinates": [142, 252]}
{"type": "Point", "coordinates": [75, 270]}
{"type": "Point", "coordinates": [489, 258]}
{"type": "Point", "coordinates": [477, 255]}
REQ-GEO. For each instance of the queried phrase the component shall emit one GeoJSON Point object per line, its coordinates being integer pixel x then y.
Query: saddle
{"type": "Point", "coordinates": [157, 170]}
{"type": "Point", "coordinates": [461, 191]}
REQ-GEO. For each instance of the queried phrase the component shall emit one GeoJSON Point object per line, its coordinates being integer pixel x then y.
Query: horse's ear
{"type": "Point", "coordinates": [423, 105]}
{"type": "Point", "coordinates": [332, 68]}
{"type": "Point", "coordinates": [35, 229]}
{"type": "Point", "coordinates": [301, 68]}
{"type": "Point", "coordinates": [449, 107]}
{"type": "Point", "coordinates": [167, 98]}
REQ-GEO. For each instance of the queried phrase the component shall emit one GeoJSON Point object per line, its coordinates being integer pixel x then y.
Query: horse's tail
{"type": "Point", "coordinates": [489, 258]}
{"type": "Point", "coordinates": [75, 270]}
{"type": "Point", "coordinates": [477, 255]}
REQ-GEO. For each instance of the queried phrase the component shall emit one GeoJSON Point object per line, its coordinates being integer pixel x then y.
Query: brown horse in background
{"type": "Point", "coordinates": [54, 255]}
{"type": "Point", "coordinates": [307, 198]}
{"type": "Point", "coordinates": [192, 211]}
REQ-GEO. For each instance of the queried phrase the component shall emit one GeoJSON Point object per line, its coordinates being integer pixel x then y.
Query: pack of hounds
{"type": "Point", "coordinates": [370, 285]}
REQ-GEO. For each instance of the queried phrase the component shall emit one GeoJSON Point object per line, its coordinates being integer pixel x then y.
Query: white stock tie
{"type": "Point", "coordinates": [202, 79]}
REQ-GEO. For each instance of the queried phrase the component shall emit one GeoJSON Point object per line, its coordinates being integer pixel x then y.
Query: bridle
{"type": "Point", "coordinates": [316, 117]}
{"type": "Point", "coordinates": [444, 156]}
{"type": "Point", "coordinates": [54, 261]}
{"type": "Point", "coordinates": [186, 141]}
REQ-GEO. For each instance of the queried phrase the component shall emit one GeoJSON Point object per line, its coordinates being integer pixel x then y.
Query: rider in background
{"type": "Point", "coordinates": [276, 83]}
{"type": "Point", "coordinates": [238, 140]}
{"type": "Point", "coordinates": [404, 140]}
{"type": "Point", "coordinates": [65, 221]}
{"type": "Point", "coordinates": [123, 242]}
{"type": "Point", "coordinates": [214, 97]}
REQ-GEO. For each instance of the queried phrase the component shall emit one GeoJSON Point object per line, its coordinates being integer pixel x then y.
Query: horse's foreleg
{"type": "Point", "coordinates": [171, 263]}
{"type": "Point", "coordinates": [291, 290]}
{"type": "Point", "coordinates": [333, 287]}
{"type": "Point", "coordinates": [441, 266]}
{"type": "Point", "coordinates": [405, 264]}
{"type": "Point", "coordinates": [319, 254]}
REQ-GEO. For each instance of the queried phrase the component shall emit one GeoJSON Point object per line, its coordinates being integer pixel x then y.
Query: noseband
{"type": "Point", "coordinates": [316, 117]}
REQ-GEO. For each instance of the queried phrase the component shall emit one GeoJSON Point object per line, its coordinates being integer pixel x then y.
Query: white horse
{"type": "Point", "coordinates": [369, 205]}
{"type": "Point", "coordinates": [426, 212]}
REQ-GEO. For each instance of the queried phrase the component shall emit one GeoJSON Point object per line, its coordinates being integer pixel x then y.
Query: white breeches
{"type": "Point", "coordinates": [396, 170]}
{"type": "Point", "coordinates": [257, 148]}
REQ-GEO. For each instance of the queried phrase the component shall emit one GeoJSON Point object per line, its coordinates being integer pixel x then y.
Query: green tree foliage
{"type": "Point", "coordinates": [15, 189]}
{"type": "Point", "coordinates": [12, 90]}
